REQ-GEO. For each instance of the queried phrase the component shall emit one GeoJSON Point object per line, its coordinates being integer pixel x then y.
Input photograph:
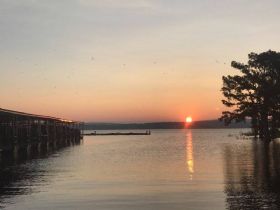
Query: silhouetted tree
{"type": "Point", "coordinates": [255, 93]}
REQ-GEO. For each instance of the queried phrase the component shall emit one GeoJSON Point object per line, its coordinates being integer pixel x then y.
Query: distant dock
{"type": "Point", "coordinates": [118, 133]}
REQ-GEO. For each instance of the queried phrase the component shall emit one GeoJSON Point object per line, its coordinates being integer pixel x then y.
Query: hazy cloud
{"type": "Point", "coordinates": [118, 3]}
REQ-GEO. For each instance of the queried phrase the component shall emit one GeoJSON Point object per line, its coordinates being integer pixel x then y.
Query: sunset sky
{"type": "Point", "coordinates": [127, 60]}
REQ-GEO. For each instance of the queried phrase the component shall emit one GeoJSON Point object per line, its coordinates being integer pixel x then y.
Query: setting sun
{"type": "Point", "coordinates": [188, 119]}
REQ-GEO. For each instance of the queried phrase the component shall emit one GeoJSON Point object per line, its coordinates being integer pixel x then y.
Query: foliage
{"type": "Point", "coordinates": [255, 93]}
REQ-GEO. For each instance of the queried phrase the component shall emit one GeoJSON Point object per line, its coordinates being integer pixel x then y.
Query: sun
{"type": "Point", "coordinates": [188, 119]}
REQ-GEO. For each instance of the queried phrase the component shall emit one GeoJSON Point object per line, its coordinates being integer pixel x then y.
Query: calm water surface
{"type": "Point", "coordinates": [171, 169]}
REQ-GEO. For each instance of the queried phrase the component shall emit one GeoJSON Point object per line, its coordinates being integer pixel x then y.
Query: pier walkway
{"type": "Point", "coordinates": [22, 130]}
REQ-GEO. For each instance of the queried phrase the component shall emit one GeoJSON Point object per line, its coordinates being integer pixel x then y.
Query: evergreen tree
{"type": "Point", "coordinates": [255, 93]}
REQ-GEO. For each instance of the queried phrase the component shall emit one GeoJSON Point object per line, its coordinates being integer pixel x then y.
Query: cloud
{"type": "Point", "coordinates": [118, 3]}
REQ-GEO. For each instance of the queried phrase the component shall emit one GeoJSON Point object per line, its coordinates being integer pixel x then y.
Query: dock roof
{"type": "Point", "coordinates": [34, 116]}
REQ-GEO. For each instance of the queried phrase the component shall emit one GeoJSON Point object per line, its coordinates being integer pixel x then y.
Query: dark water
{"type": "Point", "coordinates": [171, 169]}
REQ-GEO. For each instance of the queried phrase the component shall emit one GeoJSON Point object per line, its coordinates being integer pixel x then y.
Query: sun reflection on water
{"type": "Point", "coordinates": [189, 153]}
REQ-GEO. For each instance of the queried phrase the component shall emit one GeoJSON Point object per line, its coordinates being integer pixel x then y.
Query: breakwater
{"type": "Point", "coordinates": [118, 134]}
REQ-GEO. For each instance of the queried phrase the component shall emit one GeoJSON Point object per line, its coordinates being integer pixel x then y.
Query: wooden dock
{"type": "Point", "coordinates": [19, 130]}
{"type": "Point", "coordinates": [118, 133]}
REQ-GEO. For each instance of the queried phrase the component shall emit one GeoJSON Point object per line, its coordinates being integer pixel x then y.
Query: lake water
{"type": "Point", "coordinates": [171, 169]}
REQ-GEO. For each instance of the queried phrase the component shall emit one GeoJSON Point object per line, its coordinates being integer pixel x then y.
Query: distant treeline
{"type": "Point", "coordinates": [207, 124]}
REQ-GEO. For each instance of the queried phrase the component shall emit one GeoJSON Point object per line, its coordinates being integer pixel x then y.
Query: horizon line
{"type": "Point", "coordinates": [147, 122]}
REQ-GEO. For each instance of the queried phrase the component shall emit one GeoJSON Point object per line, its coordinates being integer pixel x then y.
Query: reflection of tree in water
{"type": "Point", "coordinates": [252, 176]}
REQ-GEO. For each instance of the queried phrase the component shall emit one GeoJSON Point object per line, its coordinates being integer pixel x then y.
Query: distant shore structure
{"type": "Point", "coordinates": [19, 130]}
{"type": "Point", "coordinates": [148, 132]}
